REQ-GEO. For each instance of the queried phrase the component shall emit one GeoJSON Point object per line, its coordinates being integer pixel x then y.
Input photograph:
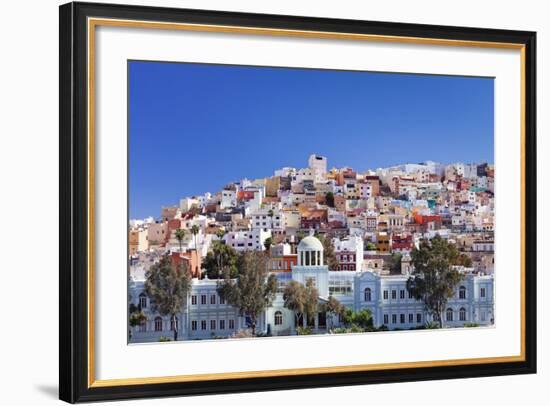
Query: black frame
{"type": "Point", "coordinates": [73, 289]}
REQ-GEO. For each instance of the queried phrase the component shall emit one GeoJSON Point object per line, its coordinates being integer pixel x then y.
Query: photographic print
{"type": "Point", "coordinates": [272, 201]}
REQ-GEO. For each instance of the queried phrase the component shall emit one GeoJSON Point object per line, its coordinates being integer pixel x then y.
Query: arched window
{"type": "Point", "coordinates": [278, 318]}
{"type": "Point", "coordinates": [462, 292]}
{"type": "Point", "coordinates": [158, 323]}
{"type": "Point", "coordinates": [449, 314]}
{"type": "Point", "coordinates": [462, 314]}
{"type": "Point", "coordinates": [368, 296]}
{"type": "Point", "coordinates": [142, 300]}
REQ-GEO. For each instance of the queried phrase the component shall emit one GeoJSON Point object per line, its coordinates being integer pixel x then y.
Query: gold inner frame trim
{"type": "Point", "coordinates": [94, 22]}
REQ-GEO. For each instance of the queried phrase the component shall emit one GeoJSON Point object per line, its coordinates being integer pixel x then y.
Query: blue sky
{"type": "Point", "coordinates": [196, 127]}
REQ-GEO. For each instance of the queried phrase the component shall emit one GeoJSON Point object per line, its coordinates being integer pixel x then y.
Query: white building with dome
{"type": "Point", "coordinates": [208, 316]}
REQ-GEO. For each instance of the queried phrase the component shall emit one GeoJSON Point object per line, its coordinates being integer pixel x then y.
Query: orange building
{"type": "Point", "coordinates": [191, 259]}
{"type": "Point", "coordinates": [283, 263]}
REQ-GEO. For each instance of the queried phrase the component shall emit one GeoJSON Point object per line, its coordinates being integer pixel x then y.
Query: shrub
{"type": "Point", "coordinates": [163, 339]}
{"type": "Point", "coordinates": [303, 331]}
{"type": "Point", "coordinates": [471, 325]}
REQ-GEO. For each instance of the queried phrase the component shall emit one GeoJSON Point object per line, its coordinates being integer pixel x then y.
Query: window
{"type": "Point", "coordinates": [222, 300]}
{"type": "Point", "coordinates": [194, 325]}
{"type": "Point", "coordinates": [231, 324]}
{"type": "Point", "coordinates": [385, 295]}
{"type": "Point", "coordinates": [411, 318]}
{"type": "Point", "coordinates": [222, 324]}
{"type": "Point", "coordinates": [203, 299]}
{"type": "Point", "coordinates": [278, 318]}
{"type": "Point", "coordinates": [462, 314]}
{"type": "Point", "coordinates": [213, 299]}
{"type": "Point", "coordinates": [394, 318]}
{"type": "Point", "coordinates": [483, 316]}
{"type": "Point", "coordinates": [368, 296]}
{"type": "Point", "coordinates": [402, 294]}
{"type": "Point", "coordinates": [419, 317]}
{"type": "Point", "coordinates": [143, 327]}
{"type": "Point", "coordinates": [203, 324]}
{"type": "Point", "coordinates": [449, 314]}
{"type": "Point", "coordinates": [143, 300]}
{"type": "Point", "coordinates": [212, 324]}
{"type": "Point", "coordinates": [402, 318]}
{"type": "Point", "coordinates": [462, 292]}
{"type": "Point", "coordinates": [410, 294]}
{"type": "Point", "coordinates": [172, 324]}
{"type": "Point", "coordinates": [386, 319]}
{"type": "Point", "coordinates": [394, 294]}
{"type": "Point", "coordinates": [194, 299]}
{"type": "Point", "coordinates": [482, 292]}
{"type": "Point", "coordinates": [158, 323]}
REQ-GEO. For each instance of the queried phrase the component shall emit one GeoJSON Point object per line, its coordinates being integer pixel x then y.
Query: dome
{"type": "Point", "coordinates": [310, 243]}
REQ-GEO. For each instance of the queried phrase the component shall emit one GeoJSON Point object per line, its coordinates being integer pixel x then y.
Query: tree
{"type": "Point", "coordinates": [221, 259]}
{"type": "Point", "coordinates": [267, 244]}
{"type": "Point", "coordinates": [180, 235]}
{"type": "Point", "coordinates": [464, 260]}
{"type": "Point", "coordinates": [394, 263]}
{"type": "Point", "coordinates": [329, 199]}
{"type": "Point", "coordinates": [253, 290]}
{"type": "Point", "coordinates": [195, 231]}
{"type": "Point", "coordinates": [361, 318]}
{"type": "Point", "coordinates": [301, 299]}
{"type": "Point", "coordinates": [220, 234]}
{"type": "Point", "coordinates": [371, 246]}
{"type": "Point", "coordinates": [332, 307]}
{"type": "Point", "coordinates": [328, 252]}
{"type": "Point", "coordinates": [433, 279]}
{"type": "Point", "coordinates": [167, 286]}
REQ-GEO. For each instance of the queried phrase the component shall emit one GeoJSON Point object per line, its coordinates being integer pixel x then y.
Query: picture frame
{"type": "Point", "coordinates": [78, 188]}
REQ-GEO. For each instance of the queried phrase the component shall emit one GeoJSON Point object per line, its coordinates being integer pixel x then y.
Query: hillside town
{"type": "Point", "coordinates": [348, 236]}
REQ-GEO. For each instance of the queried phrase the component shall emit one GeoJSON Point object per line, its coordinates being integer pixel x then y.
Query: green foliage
{"type": "Point", "coordinates": [339, 330]}
{"type": "Point", "coordinates": [195, 230]}
{"type": "Point", "coordinates": [254, 289]}
{"type": "Point", "coordinates": [137, 319]}
{"type": "Point", "coordinates": [133, 308]}
{"type": "Point", "coordinates": [433, 280]}
{"type": "Point", "coordinates": [332, 307]}
{"type": "Point", "coordinates": [464, 260]}
{"type": "Point", "coordinates": [180, 236]}
{"type": "Point", "coordinates": [220, 234]}
{"type": "Point", "coordinates": [361, 319]}
{"type": "Point", "coordinates": [268, 243]}
{"type": "Point", "coordinates": [394, 263]}
{"type": "Point", "coordinates": [329, 199]}
{"type": "Point", "coordinates": [167, 286]}
{"type": "Point", "coordinates": [301, 299]}
{"type": "Point", "coordinates": [471, 325]}
{"type": "Point", "coordinates": [371, 246]}
{"type": "Point", "coordinates": [220, 260]}
{"type": "Point", "coordinates": [347, 330]}
{"type": "Point", "coordinates": [431, 325]}
{"type": "Point", "coordinates": [303, 331]}
{"type": "Point", "coordinates": [163, 339]}
{"type": "Point", "coordinates": [329, 255]}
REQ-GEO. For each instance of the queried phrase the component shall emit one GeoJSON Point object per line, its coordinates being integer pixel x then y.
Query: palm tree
{"type": "Point", "coordinates": [220, 234]}
{"type": "Point", "coordinates": [195, 231]}
{"type": "Point", "coordinates": [180, 235]}
{"type": "Point", "coordinates": [267, 244]}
